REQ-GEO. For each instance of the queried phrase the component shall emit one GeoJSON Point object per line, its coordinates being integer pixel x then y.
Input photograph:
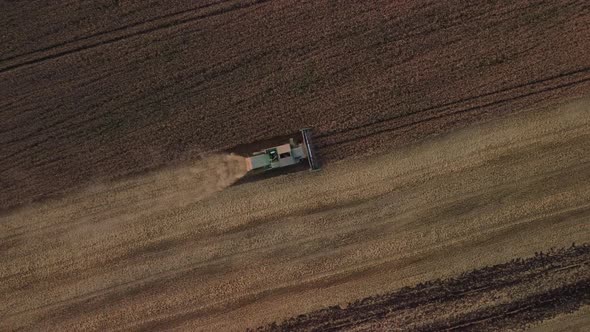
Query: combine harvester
{"type": "Point", "coordinates": [285, 155]}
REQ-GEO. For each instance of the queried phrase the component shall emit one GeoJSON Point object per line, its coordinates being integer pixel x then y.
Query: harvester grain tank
{"type": "Point", "coordinates": [285, 155]}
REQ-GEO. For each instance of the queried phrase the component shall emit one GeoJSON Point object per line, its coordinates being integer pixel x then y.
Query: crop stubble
{"type": "Point", "coordinates": [501, 297]}
{"type": "Point", "coordinates": [263, 252]}
{"type": "Point", "coordinates": [120, 87]}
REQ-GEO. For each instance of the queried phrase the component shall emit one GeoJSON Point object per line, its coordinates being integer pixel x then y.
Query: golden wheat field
{"type": "Point", "coordinates": [168, 249]}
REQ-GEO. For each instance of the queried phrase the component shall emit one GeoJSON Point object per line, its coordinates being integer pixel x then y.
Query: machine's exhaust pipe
{"type": "Point", "coordinates": [314, 163]}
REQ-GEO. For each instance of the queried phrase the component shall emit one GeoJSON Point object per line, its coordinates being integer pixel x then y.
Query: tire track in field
{"type": "Point", "coordinates": [142, 30]}
{"type": "Point", "coordinates": [459, 101]}
{"type": "Point", "coordinates": [545, 305]}
{"type": "Point", "coordinates": [321, 137]}
{"type": "Point", "coordinates": [440, 116]}
{"type": "Point", "coordinates": [482, 286]}
{"type": "Point", "coordinates": [69, 126]}
{"type": "Point", "coordinates": [109, 31]}
{"type": "Point", "coordinates": [538, 288]}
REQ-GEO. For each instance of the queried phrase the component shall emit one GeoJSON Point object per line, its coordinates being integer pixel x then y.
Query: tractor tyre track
{"type": "Point", "coordinates": [476, 308]}
{"type": "Point", "coordinates": [442, 111]}
{"type": "Point", "coordinates": [107, 32]}
{"type": "Point", "coordinates": [459, 102]}
{"type": "Point", "coordinates": [170, 21]}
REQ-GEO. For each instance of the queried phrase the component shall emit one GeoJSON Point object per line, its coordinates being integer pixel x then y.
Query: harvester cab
{"type": "Point", "coordinates": [285, 155]}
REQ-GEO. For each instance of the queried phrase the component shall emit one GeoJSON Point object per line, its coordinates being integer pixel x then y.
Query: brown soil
{"type": "Point", "coordinates": [124, 255]}
{"type": "Point", "coordinates": [501, 297]}
{"type": "Point", "coordinates": [117, 87]}
{"type": "Point", "coordinates": [578, 321]}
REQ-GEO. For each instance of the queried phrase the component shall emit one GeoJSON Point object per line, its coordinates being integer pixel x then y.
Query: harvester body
{"type": "Point", "coordinates": [285, 155]}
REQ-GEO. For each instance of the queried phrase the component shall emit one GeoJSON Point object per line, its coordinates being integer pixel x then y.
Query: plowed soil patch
{"type": "Point", "coordinates": [500, 297]}
{"type": "Point", "coordinates": [118, 87]}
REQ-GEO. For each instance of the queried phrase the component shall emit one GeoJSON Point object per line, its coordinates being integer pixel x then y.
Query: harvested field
{"type": "Point", "coordinates": [119, 87]}
{"type": "Point", "coordinates": [262, 252]}
{"type": "Point", "coordinates": [578, 321]}
{"type": "Point", "coordinates": [501, 297]}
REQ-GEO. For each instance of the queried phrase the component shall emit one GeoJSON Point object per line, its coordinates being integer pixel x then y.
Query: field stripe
{"type": "Point", "coordinates": [163, 26]}
{"type": "Point", "coordinates": [446, 114]}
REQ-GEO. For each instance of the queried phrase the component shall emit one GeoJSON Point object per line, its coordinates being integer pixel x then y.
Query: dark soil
{"type": "Point", "coordinates": [93, 91]}
{"type": "Point", "coordinates": [468, 302]}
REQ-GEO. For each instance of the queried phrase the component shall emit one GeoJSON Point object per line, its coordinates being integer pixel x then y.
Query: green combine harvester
{"type": "Point", "coordinates": [285, 155]}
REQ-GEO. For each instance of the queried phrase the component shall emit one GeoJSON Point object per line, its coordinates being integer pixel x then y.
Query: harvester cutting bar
{"type": "Point", "coordinates": [314, 163]}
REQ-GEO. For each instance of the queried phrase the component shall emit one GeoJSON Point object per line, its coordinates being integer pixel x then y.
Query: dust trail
{"type": "Point", "coordinates": [73, 238]}
{"type": "Point", "coordinates": [119, 203]}
{"type": "Point", "coordinates": [183, 185]}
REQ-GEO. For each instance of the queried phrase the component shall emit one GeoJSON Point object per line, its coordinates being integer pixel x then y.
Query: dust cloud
{"type": "Point", "coordinates": [106, 207]}
{"type": "Point", "coordinates": [175, 187]}
{"type": "Point", "coordinates": [198, 180]}
{"type": "Point", "coordinates": [171, 188]}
